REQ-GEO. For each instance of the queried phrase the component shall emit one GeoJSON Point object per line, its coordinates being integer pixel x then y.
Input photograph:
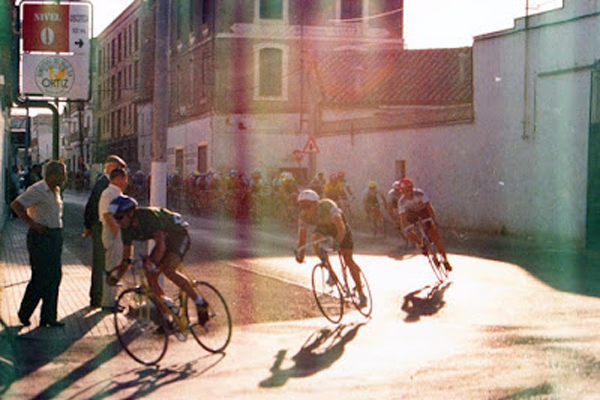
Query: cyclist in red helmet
{"type": "Point", "coordinates": [412, 206]}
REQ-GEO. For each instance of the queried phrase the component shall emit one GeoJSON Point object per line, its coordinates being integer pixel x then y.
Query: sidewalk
{"type": "Point", "coordinates": [73, 303]}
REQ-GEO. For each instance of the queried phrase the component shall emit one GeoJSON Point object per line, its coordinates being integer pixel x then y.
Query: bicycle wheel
{"type": "Point", "coordinates": [141, 326]}
{"type": "Point", "coordinates": [327, 294]}
{"type": "Point", "coordinates": [367, 308]}
{"type": "Point", "coordinates": [214, 335]}
{"type": "Point", "coordinates": [437, 262]}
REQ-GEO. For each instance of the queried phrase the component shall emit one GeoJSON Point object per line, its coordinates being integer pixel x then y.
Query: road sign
{"type": "Point", "coordinates": [297, 154]}
{"type": "Point", "coordinates": [56, 76]}
{"type": "Point", "coordinates": [311, 146]}
{"type": "Point", "coordinates": [55, 56]}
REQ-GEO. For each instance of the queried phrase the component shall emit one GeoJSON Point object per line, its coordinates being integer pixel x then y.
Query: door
{"type": "Point", "coordinates": [593, 181]}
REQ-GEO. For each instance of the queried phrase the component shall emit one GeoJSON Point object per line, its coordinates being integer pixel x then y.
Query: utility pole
{"type": "Point", "coordinates": [160, 109]}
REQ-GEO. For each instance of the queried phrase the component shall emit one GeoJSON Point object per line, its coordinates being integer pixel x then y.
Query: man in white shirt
{"type": "Point", "coordinates": [41, 207]}
{"type": "Point", "coordinates": [111, 233]}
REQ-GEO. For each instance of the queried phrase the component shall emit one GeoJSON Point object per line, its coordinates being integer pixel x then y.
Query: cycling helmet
{"type": "Point", "coordinates": [341, 174]}
{"type": "Point", "coordinates": [308, 195]}
{"type": "Point", "coordinates": [396, 185]}
{"type": "Point", "coordinates": [405, 183]}
{"type": "Point", "coordinates": [122, 204]}
{"type": "Point", "coordinates": [372, 185]}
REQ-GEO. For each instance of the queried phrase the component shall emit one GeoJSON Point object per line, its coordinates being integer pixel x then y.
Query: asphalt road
{"type": "Point", "coordinates": [515, 321]}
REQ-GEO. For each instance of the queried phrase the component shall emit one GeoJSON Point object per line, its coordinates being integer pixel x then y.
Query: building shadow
{"type": "Point", "coordinates": [561, 265]}
{"type": "Point", "coordinates": [424, 302]}
{"type": "Point", "coordinates": [320, 351]}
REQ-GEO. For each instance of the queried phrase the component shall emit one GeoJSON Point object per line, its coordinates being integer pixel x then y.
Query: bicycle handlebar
{"type": "Point", "coordinates": [419, 222]}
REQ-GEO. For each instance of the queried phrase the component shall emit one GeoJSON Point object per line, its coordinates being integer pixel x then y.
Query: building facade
{"type": "Point", "coordinates": [124, 81]}
{"type": "Point", "coordinates": [239, 86]}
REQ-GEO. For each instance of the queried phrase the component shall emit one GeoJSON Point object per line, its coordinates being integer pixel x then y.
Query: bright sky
{"type": "Point", "coordinates": [427, 23]}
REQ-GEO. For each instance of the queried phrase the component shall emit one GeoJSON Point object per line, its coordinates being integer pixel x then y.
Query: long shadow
{"type": "Point", "coordinates": [560, 265]}
{"type": "Point", "coordinates": [320, 351]}
{"type": "Point", "coordinates": [29, 352]}
{"type": "Point", "coordinates": [145, 381]}
{"type": "Point", "coordinates": [426, 301]}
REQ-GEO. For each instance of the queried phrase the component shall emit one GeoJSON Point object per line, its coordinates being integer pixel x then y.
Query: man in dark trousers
{"type": "Point", "coordinates": [41, 207]}
{"type": "Point", "coordinates": [93, 228]}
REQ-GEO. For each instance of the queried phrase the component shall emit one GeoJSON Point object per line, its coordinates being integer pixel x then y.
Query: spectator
{"type": "Point", "coordinates": [41, 207]}
{"type": "Point", "coordinates": [111, 233]}
{"type": "Point", "coordinates": [93, 227]}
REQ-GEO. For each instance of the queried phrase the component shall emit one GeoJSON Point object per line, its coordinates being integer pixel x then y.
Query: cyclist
{"type": "Point", "coordinates": [169, 232]}
{"type": "Point", "coordinates": [414, 205]}
{"type": "Point", "coordinates": [392, 202]}
{"type": "Point", "coordinates": [328, 220]}
{"type": "Point", "coordinates": [371, 196]}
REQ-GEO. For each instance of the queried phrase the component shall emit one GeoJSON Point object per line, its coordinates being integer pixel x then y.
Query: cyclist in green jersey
{"type": "Point", "coordinates": [172, 241]}
{"type": "Point", "coordinates": [328, 221]}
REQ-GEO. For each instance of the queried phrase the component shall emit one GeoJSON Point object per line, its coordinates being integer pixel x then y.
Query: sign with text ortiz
{"type": "Point", "coordinates": [55, 50]}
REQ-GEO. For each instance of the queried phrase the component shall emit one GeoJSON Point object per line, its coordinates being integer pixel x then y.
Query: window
{"type": "Point", "coordinates": [350, 9]}
{"type": "Point", "coordinates": [202, 165]}
{"type": "Point", "coordinates": [199, 12]}
{"type": "Point", "coordinates": [270, 10]}
{"type": "Point", "coordinates": [136, 33]}
{"type": "Point", "coordinates": [270, 72]}
{"type": "Point", "coordinates": [179, 161]}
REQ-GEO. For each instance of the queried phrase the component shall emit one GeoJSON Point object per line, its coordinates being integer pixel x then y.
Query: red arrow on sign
{"type": "Point", "coordinates": [311, 146]}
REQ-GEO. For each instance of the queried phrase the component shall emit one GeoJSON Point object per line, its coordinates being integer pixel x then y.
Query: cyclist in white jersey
{"type": "Point", "coordinates": [414, 205]}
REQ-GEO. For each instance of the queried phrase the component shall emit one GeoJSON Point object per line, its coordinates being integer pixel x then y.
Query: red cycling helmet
{"type": "Point", "coordinates": [405, 183]}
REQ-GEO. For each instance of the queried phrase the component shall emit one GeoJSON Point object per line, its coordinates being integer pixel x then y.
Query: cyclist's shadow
{"type": "Point", "coordinates": [320, 351]}
{"type": "Point", "coordinates": [426, 301]}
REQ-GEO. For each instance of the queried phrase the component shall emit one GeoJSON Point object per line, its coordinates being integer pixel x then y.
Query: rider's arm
{"type": "Point", "coordinates": [431, 211]}
{"type": "Point", "coordinates": [301, 244]}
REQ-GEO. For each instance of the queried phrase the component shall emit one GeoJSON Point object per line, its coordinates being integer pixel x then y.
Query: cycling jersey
{"type": "Point", "coordinates": [371, 197]}
{"type": "Point", "coordinates": [415, 205]}
{"type": "Point", "coordinates": [154, 219]}
{"type": "Point", "coordinates": [324, 222]}
{"type": "Point", "coordinates": [392, 198]}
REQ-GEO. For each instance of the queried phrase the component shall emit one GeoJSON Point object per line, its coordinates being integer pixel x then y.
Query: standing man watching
{"type": "Point", "coordinates": [41, 207]}
{"type": "Point", "coordinates": [111, 233]}
{"type": "Point", "coordinates": [93, 228]}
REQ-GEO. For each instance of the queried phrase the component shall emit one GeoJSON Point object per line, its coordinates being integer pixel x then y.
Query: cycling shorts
{"type": "Point", "coordinates": [413, 217]}
{"type": "Point", "coordinates": [331, 230]}
{"type": "Point", "coordinates": [178, 243]}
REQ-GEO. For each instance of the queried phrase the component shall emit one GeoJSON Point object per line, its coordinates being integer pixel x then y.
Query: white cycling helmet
{"type": "Point", "coordinates": [308, 195]}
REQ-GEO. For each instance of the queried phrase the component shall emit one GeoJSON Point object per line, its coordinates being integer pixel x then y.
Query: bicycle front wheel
{"type": "Point", "coordinates": [437, 262]}
{"type": "Point", "coordinates": [327, 294]}
{"type": "Point", "coordinates": [141, 327]}
{"type": "Point", "coordinates": [215, 334]}
{"type": "Point", "coordinates": [363, 305]}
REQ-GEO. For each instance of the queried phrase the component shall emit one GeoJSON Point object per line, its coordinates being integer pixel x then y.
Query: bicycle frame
{"type": "Point", "coordinates": [433, 255]}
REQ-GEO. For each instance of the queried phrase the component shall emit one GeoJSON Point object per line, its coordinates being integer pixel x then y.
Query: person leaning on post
{"type": "Point", "coordinates": [41, 207]}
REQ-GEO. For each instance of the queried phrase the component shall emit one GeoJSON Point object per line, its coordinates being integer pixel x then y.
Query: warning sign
{"type": "Point", "coordinates": [311, 146]}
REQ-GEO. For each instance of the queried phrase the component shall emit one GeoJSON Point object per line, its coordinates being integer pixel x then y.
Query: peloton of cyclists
{"type": "Point", "coordinates": [412, 206]}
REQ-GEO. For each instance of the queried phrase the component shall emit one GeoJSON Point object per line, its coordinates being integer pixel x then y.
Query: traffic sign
{"type": "Point", "coordinates": [55, 56]}
{"type": "Point", "coordinates": [311, 146]}
{"type": "Point", "coordinates": [56, 28]}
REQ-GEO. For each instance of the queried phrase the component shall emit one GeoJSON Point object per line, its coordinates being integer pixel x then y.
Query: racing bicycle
{"type": "Point", "coordinates": [434, 256]}
{"type": "Point", "coordinates": [331, 287]}
{"type": "Point", "coordinates": [143, 320]}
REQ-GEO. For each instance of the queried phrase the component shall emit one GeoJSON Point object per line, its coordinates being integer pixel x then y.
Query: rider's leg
{"type": "Point", "coordinates": [437, 239]}
{"type": "Point", "coordinates": [169, 266]}
{"type": "Point", "coordinates": [354, 270]}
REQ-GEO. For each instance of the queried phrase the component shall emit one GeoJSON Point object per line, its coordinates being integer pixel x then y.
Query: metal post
{"type": "Point", "coordinates": [160, 112]}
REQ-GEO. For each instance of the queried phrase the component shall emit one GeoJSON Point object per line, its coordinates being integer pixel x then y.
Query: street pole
{"type": "Point", "coordinates": [160, 111]}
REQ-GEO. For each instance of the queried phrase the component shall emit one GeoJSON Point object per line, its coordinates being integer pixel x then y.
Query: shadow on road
{"type": "Point", "coordinates": [147, 380]}
{"type": "Point", "coordinates": [426, 301]}
{"type": "Point", "coordinates": [322, 348]}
